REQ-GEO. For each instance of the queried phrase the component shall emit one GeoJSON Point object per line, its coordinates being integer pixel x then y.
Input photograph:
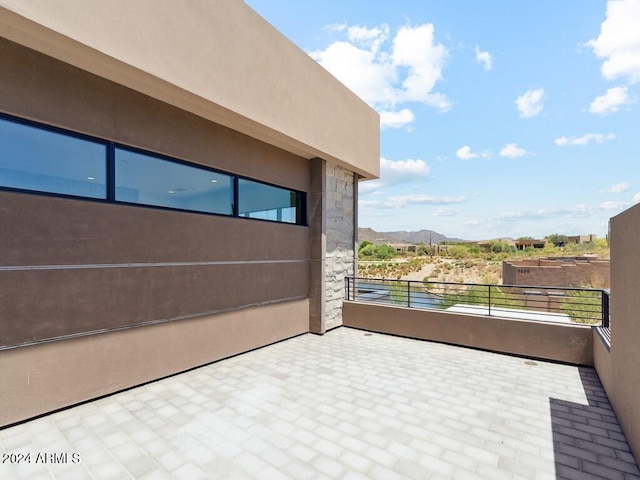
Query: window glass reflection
{"type": "Point", "coordinates": [34, 158]}
{"type": "Point", "coordinates": [41, 159]}
{"type": "Point", "coordinates": [257, 200]}
{"type": "Point", "coordinates": [150, 180]}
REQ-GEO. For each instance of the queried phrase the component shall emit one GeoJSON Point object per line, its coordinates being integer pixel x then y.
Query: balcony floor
{"type": "Point", "coordinates": [347, 405]}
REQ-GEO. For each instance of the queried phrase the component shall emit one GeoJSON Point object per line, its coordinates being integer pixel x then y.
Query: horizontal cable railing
{"type": "Point", "coordinates": [588, 306]}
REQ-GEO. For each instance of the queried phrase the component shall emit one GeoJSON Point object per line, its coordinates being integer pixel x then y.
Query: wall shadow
{"type": "Point", "coordinates": [588, 442]}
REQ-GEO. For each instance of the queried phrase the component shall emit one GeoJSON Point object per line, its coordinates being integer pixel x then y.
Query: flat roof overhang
{"type": "Point", "coordinates": [219, 60]}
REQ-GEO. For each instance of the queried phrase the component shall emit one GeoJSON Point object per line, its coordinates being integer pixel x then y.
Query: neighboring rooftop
{"type": "Point", "coordinates": [347, 405]}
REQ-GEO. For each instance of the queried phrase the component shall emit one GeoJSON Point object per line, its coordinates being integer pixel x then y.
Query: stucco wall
{"type": "Point", "coordinates": [557, 274]}
{"type": "Point", "coordinates": [559, 342]}
{"type": "Point", "coordinates": [74, 266]}
{"type": "Point", "coordinates": [219, 60]}
{"type": "Point", "coordinates": [40, 88]}
{"type": "Point", "coordinates": [602, 362]}
{"type": "Point", "coordinates": [621, 377]}
{"type": "Point", "coordinates": [41, 378]}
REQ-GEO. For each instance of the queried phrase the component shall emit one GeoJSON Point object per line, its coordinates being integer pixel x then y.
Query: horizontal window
{"type": "Point", "coordinates": [257, 200]}
{"type": "Point", "coordinates": [43, 159]}
{"type": "Point", "coordinates": [152, 181]}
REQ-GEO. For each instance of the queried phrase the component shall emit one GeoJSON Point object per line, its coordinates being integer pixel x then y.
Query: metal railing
{"type": "Point", "coordinates": [588, 306]}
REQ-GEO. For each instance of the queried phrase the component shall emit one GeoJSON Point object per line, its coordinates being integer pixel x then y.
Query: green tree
{"type": "Point", "coordinates": [497, 247]}
{"type": "Point", "coordinates": [363, 244]}
{"type": "Point", "coordinates": [557, 239]}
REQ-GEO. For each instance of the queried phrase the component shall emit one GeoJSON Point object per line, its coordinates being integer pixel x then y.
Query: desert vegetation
{"type": "Point", "coordinates": [460, 263]}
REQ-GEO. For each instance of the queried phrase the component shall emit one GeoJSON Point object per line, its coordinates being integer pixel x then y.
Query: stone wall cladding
{"type": "Point", "coordinates": [340, 239]}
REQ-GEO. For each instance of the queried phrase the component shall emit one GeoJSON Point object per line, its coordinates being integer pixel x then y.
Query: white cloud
{"type": "Point", "coordinates": [422, 199]}
{"type": "Point", "coordinates": [396, 119]}
{"type": "Point", "coordinates": [403, 170]}
{"type": "Point", "coordinates": [512, 150]}
{"type": "Point", "coordinates": [370, 204]}
{"type": "Point", "coordinates": [400, 201]}
{"type": "Point", "coordinates": [530, 103]}
{"type": "Point", "coordinates": [395, 173]}
{"type": "Point", "coordinates": [484, 58]}
{"type": "Point", "coordinates": [636, 198]}
{"type": "Point", "coordinates": [388, 70]}
{"type": "Point", "coordinates": [335, 27]}
{"type": "Point", "coordinates": [439, 101]}
{"type": "Point", "coordinates": [414, 48]}
{"type": "Point", "coordinates": [584, 139]}
{"type": "Point", "coordinates": [619, 41]}
{"type": "Point", "coordinates": [613, 205]}
{"type": "Point", "coordinates": [370, 38]}
{"type": "Point", "coordinates": [579, 211]}
{"type": "Point", "coordinates": [616, 188]}
{"type": "Point", "coordinates": [610, 102]}
{"type": "Point", "coordinates": [445, 212]}
{"type": "Point", "coordinates": [465, 153]}
{"type": "Point", "coordinates": [475, 223]}
{"type": "Point", "coordinates": [361, 71]}
{"type": "Point", "coordinates": [369, 187]}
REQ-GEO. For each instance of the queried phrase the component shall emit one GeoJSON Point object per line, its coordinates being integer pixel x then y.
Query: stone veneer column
{"type": "Point", "coordinates": [332, 215]}
{"type": "Point", "coordinates": [341, 238]}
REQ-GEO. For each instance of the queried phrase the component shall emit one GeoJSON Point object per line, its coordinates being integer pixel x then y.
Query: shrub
{"type": "Point", "coordinates": [385, 251]}
{"type": "Point", "coordinates": [363, 244]}
{"type": "Point", "coordinates": [367, 251]}
{"type": "Point", "coordinates": [583, 306]}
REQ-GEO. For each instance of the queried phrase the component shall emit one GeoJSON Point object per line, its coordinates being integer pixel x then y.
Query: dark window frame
{"type": "Point", "coordinates": [110, 168]}
{"type": "Point", "coordinates": [297, 203]}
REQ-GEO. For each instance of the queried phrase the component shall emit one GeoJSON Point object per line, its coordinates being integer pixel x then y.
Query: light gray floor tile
{"type": "Point", "coordinates": [345, 405]}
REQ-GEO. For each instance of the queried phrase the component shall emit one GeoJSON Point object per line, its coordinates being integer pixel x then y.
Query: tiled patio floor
{"type": "Point", "coordinates": [347, 405]}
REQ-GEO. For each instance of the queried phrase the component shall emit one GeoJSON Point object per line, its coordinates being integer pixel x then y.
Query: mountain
{"type": "Point", "coordinates": [374, 237]}
{"type": "Point", "coordinates": [424, 236]}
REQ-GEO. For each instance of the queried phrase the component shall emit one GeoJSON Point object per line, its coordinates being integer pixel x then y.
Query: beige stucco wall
{"type": "Point", "coordinates": [619, 370]}
{"type": "Point", "coordinates": [96, 297]}
{"type": "Point", "coordinates": [219, 59]}
{"type": "Point", "coordinates": [139, 264]}
{"type": "Point", "coordinates": [37, 87]}
{"type": "Point", "coordinates": [558, 342]}
{"type": "Point", "coordinates": [45, 377]}
{"type": "Point", "coordinates": [593, 273]}
{"type": "Point", "coordinates": [602, 361]}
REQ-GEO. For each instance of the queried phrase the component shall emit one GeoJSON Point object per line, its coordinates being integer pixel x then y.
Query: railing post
{"type": "Point", "coordinates": [605, 309]}
{"type": "Point", "coordinates": [352, 288]}
{"type": "Point", "coordinates": [489, 300]}
{"type": "Point", "coordinates": [408, 293]}
{"type": "Point", "coordinates": [347, 287]}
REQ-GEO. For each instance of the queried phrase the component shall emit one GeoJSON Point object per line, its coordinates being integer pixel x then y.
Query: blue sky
{"type": "Point", "coordinates": [499, 118]}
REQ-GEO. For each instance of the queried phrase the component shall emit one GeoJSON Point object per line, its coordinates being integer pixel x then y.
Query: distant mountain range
{"type": "Point", "coordinates": [422, 236]}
